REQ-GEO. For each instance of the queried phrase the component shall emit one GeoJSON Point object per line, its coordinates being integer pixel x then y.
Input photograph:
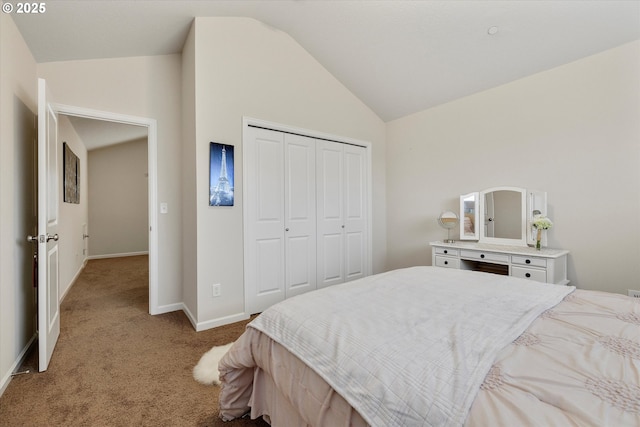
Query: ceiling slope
{"type": "Point", "coordinates": [399, 57]}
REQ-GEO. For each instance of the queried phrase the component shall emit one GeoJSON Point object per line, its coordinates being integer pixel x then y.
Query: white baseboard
{"type": "Point", "coordinates": [168, 308]}
{"type": "Point", "coordinates": [120, 255]}
{"type": "Point", "coordinates": [213, 323]}
{"type": "Point", "coordinates": [220, 321]}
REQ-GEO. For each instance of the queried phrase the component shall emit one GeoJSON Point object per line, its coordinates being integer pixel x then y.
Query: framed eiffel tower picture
{"type": "Point", "coordinates": [221, 175]}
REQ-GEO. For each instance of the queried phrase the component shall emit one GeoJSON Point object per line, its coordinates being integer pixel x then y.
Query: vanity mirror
{"type": "Point", "coordinates": [501, 215]}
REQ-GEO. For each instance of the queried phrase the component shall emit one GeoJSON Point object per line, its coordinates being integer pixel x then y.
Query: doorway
{"type": "Point", "coordinates": [116, 198]}
{"type": "Point", "coordinates": [150, 125]}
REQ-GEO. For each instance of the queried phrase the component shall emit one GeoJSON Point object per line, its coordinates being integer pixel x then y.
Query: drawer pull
{"type": "Point", "coordinates": [528, 275]}
{"type": "Point", "coordinates": [528, 261]}
{"type": "Point", "coordinates": [446, 251]}
{"type": "Point", "coordinates": [481, 255]}
{"type": "Point", "coordinates": [446, 263]}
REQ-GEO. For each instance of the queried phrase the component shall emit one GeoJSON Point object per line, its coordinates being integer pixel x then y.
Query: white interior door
{"type": "Point", "coordinates": [48, 188]}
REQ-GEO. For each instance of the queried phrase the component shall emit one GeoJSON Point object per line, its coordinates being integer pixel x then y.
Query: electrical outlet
{"type": "Point", "coordinates": [215, 290]}
{"type": "Point", "coordinates": [634, 293]}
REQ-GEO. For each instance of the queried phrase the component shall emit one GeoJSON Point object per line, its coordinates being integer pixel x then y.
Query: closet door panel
{"type": "Point", "coordinates": [267, 256]}
{"type": "Point", "coordinates": [330, 222]}
{"type": "Point", "coordinates": [355, 220]}
{"type": "Point", "coordinates": [300, 214]}
{"type": "Point", "coordinates": [265, 219]}
{"type": "Point", "coordinates": [355, 261]}
{"type": "Point", "coordinates": [300, 275]}
{"type": "Point", "coordinates": [332, 194]}
{"type": "Point", "coordinates": [269, 183]}
{"type": "Point", "coordinates": [355, 185]}
{"type": "Point", "coordinates": [331, 262]}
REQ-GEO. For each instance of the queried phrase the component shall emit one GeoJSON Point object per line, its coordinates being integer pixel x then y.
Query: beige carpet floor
{"type": "Point", "coordinates": [114, 364]}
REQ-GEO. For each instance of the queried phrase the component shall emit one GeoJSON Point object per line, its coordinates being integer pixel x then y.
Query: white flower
{"type": "Point", "coordinates": [542, 222]}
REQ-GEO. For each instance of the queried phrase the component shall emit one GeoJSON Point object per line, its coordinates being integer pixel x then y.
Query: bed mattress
{"type": "Point", "coordinates": [578, 363]}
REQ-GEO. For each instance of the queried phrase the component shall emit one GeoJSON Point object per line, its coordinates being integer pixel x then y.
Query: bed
{"type": "Point", "coordinates": [428, 346]}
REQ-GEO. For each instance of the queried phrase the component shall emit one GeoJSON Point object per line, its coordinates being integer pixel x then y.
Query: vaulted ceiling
{"type": "Point", "coordinates": [398, 57]}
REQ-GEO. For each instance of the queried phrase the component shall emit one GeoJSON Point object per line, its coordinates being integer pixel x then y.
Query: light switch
{"type": "Point", "coordinates": [164, 208]}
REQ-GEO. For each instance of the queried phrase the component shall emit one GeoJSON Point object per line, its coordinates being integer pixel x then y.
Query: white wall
{"type": "Point", "coordinates": [244, 68]}
{"type": "Point", "coordinates": [143, 87]}
{"type": "Point", "coordinates": [118, 199]}
{"type": "Point", "coordinates": [572, 131]}
{"type": "Point", "coordinates": [72, 216]}
{"type": "Point", "coordinates": [18, 106]}
{"type": "Point", "coordinates": [189, 225]}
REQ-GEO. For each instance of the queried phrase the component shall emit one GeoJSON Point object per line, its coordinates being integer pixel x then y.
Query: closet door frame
{"type": "Point", "coordinates": [248, 122]}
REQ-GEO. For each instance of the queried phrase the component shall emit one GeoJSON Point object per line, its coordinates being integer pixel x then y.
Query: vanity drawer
{"type": "Point", "coordinates": [447, 262]}
{"type": "Point", "coordinates": [529, 273]}
{"type": "Point", "coordinates": [485, 256]}
{"type": "Point", "coordinates": [446, 251]}
{"type": "Point", "coordinates": [532, 261]}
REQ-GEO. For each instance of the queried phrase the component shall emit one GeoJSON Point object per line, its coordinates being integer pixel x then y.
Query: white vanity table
{"type": "Point", "coordinates": [545, 265]}
{"type": "Point", "coordinates": [500, 221]}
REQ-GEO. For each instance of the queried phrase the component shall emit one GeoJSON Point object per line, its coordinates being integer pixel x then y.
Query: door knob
{"type": "Point", "coordinates": [32, 239]}
{"type": "Point", "coordinates": [54, 237]}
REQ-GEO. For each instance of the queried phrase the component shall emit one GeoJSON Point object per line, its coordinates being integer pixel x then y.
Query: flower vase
{"type": "Point", "coordinates": [538, 239]}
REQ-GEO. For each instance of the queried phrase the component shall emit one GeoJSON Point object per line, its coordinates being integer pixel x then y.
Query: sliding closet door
{"type": "Point", "coordinates": [300, 214]}
{"type": "Point", "coordinates": [264, 219]}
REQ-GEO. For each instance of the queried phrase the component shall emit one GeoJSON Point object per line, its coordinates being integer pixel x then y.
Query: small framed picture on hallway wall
{"type": "Point", "coordinates": [221, 175]}
{"type": "Point", "coordinates": [71, 171]}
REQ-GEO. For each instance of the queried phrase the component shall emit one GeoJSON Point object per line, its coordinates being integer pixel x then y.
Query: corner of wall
{"type": "Point", "coordinates": [189, 182]}
{"type": "Point", "coordinates": [18, 103]}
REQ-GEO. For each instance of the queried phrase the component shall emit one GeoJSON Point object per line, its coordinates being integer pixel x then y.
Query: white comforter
{"type": "Point", "coordinates": [367, 351]}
